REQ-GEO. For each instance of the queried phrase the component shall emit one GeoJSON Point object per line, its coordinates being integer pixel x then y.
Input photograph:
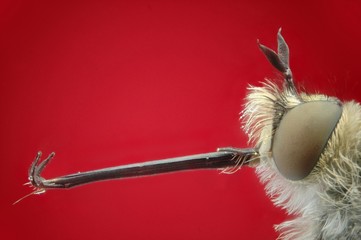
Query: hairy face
{"type": "Point", "coordinates": [310, 155]}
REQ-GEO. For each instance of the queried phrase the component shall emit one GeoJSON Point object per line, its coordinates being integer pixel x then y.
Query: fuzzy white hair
{"type": "Point", "coordinates": [327, 203]}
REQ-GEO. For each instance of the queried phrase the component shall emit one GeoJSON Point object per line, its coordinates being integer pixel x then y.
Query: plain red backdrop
{"type": "Point", "coordinates": [104, 83]}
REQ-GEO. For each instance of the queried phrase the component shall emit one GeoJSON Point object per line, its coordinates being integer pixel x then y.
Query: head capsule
{"type": "Point", "coordinates": [301, 128]}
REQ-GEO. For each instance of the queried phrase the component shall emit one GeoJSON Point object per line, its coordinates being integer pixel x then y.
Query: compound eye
{"type": "Point", "coordinates": [302, 136]}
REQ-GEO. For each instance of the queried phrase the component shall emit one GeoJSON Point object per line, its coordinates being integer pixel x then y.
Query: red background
{"type": "Point", "coordinates": [104, 83]}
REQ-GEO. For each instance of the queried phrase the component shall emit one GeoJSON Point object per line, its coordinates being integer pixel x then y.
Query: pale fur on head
{"type": "Point", "coordinates": [327, 203]}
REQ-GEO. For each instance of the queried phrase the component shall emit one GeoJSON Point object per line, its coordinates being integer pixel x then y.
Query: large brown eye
{"type": "Point", "coordinates": [302, 135]}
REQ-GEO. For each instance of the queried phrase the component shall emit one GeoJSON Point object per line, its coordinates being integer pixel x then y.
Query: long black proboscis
{"type": "Point", "coordinates": [213, 160]}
